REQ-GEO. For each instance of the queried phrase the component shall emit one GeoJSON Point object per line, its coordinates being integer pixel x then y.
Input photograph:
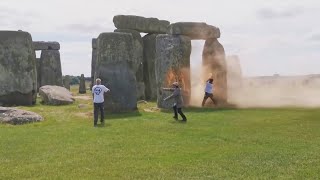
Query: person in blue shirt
{"type": "Point", "coordinates": [208, 92]}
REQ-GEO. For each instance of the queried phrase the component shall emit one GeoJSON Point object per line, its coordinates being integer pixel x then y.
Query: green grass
{"type": "Point", "coordinates": [214, 144]}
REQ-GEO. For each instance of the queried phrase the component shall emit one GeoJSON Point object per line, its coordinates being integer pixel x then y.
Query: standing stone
{"type": "Point", "coordinates": [172, 65]}
{"type": "Point", "coordinates": [50, 68]}
{"type": "Point", "coordinates": [66, 82]}
{"type": "Point", "coordinates": [114, 68]}
{"type": "Point", "coordinates": [93, 60]}
{"type": "Point", "coordinates": [149, 57]}
{"type": "Point", "coordinates": [138, 56]}
{"type": "Point", "coordinates": [194, 30]}
{"type": "Point", "coordinates": [18, 74]}
{"type": "Point", "coordinates": [82, 86]}
{"type": "Point", "coordinates": [141, 24]}
{"type": "Point", "coordinates": [38, 63]}
{"type": "Point", "coordinates": [214, 61]}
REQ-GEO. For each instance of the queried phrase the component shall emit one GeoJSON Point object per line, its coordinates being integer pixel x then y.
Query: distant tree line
{"type": "Point", "coordinates": [76, 79]}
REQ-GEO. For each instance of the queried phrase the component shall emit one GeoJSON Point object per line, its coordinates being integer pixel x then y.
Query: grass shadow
{"type": "Point", "coordinates": [122, 115]}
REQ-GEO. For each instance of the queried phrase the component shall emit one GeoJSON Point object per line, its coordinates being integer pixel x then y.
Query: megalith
{"type": "Point", "coordinates": [66, 82]}
{"type": "Point", "coordinates": [172, 64]}
{"type": "Point", "coordinates": [50, 68]}
{"type": "Point", "coordinates": [18, 73]}
{"type": "Point", "coordinates": [141, 24]}
{"type": "Point", "coordinates": [138, 57]}
{"type": "Point", "coordinates": [82, 86]}
{"type": "Point", "coordinates": [43, 45]}
{"type": "Point", "coordinates": [194, 30]}
{"type": "Point", "coordinates": [116, 70]}
{"type": "Point", "coordinates": [38, 73]}
{"type": "Point", "coordinates": [93, 60]}
{"type": "Point", "coordinates": [234, 75]}
{"type": "Point", "coordinates": [214, 62]}
{"type": "Point", "coordinates": [149, 57]}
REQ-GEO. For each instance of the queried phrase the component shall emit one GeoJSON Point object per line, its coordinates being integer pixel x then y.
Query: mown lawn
{"type": "Point", "coordinates": [213, 144]}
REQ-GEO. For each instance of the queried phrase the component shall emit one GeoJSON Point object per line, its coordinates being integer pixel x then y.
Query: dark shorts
{"type": "Point", "coordinates": [206, 95]}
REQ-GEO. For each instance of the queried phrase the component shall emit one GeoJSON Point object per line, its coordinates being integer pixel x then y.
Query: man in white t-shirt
{"type": "Point", "coordinates": [98, 91]}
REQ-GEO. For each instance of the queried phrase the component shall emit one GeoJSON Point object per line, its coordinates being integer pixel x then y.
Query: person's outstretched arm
{"type": "Point", "coordinates": [168, 89]}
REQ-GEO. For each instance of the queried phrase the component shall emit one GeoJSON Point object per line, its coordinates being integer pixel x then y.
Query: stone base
{"type": "Point", "coordinates": [17, 99]}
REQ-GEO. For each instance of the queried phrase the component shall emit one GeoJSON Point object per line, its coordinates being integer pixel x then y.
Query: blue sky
{"type": "Point", "coordinates": [270, 37]}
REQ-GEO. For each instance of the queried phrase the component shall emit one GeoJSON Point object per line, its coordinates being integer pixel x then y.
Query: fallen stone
{"type": "Point", "coordinates": [16, 116]}
{"type": "Point", "coordinates": [55, 95]}
{"type": "Point", "coordinates": [42, 45]}
{"type": "Point", "coordinates": [141, 24]}
{"type": "Point", "coordinates": [194, 30]}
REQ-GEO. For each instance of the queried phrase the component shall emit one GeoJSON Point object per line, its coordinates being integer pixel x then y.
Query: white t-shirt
{"type": "Point", "coordinates": [209, 87]}
{"type": "Point", "coordinates": [98, 93]}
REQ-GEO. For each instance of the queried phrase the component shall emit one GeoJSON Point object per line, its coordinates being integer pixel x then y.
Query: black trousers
{"type": "Point", "coordinates": [206, 96]}
{"type": "Point", "coordinates": [178, 110]}
{"type": "Point", "coordinates": [98, 107]}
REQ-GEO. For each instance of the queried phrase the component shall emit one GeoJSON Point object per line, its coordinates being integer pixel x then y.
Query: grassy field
{"type": "Point", "coordinates": [213, 144]}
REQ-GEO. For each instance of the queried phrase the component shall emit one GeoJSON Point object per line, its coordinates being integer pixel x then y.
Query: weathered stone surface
{"type": "Point", "coordinates": [93, 59]}
{"type": "Point", "coordinates": [42, 45]}
{"type": "Point", "coordinates": [50, 68]}
{"type": "Point", "coordinates": [172, 65]}
{"type": "Point", "coordinates": [55, 95]}
{"type": "Point", "coordinates": [194, 30]}
{"type": "Point", "coordinates": [16, 116]}
{"type": "Point", "coordinates": [138, 56]}
{"type": "Point", "coordinates": [38, 63]}
{"type": "Point", "coordinates": [94, 43]}
{"type": "Point", "coordinates": [141, 24]}
{"type": "Point", "coordinates": [82, 86]}
{"type": "Point", "coordinates": [214, 62]}
{"type": "Point", "coordinates": [93, 65]}
{"type": "Point", "coordinates": [140, 91]}
{"type": "Point", "coordinates": [114, 68]}
{"type": "Point", "coordinates": [18, 74]}
{"type": "Point", "coordinates": [66, 82]}
{"type": "Point", "coordinates": [149, 57]}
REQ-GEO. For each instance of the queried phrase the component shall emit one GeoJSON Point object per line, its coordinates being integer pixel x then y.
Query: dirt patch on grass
{"type": "Point", "coordinates": [85, 114]}
{"type": "Point", "coordinates": [83, 97]}
{"type": "Point", "coordinates": [152, 109]}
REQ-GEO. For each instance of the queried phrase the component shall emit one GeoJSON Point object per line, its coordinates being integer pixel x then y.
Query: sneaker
{"type": "Point", "coordinates": [176, 118]}
{"type": "Point", "coordinates": [184, 120]}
